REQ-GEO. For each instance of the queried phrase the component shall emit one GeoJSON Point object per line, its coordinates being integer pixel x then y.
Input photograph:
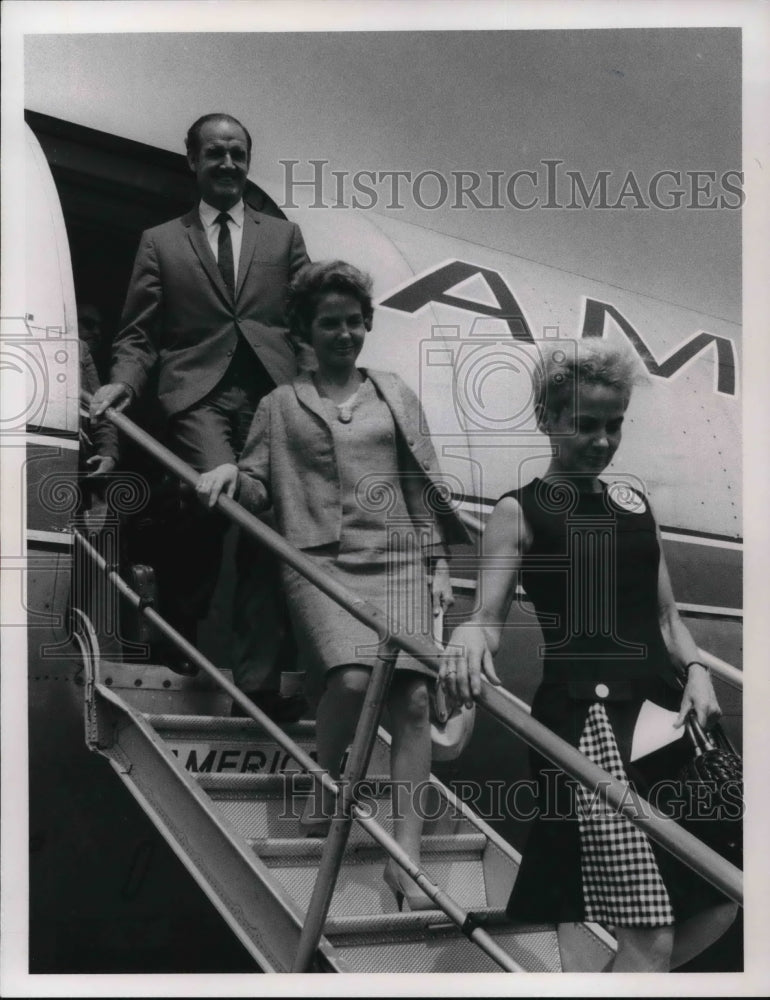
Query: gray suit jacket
{"type": "Point", "coordinates": [289, 461]}
{"type": "Point", "coordinates": [179, 314]}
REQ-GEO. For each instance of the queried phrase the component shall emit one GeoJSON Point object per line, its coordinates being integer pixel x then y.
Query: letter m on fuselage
{"type": "Point", "coordinates": [593, 326]}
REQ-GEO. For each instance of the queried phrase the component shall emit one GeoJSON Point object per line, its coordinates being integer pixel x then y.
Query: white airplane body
{"type": "Point", "coordinates": [463, 324]}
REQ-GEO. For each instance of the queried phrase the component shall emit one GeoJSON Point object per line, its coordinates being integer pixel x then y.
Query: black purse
{"type": "Point", "coordinates": [712, 791]}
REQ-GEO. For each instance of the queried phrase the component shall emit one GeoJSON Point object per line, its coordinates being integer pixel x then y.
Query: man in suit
{"type": "Point", "coordinates": [204, 313]}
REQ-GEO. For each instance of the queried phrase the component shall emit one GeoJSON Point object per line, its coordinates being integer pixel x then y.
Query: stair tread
{"type": "Point", "coordinates": [312, 848]}
{"type": "Point", "coordinates": [403, 943]}
{"type": "Point", "coordinates": [260, 781]}
{"type": "Point", "coordinates": [226, 724]}
{"type": "Point", "coordinates": [231, 746]}
{"type": "Point", "coordinates": [268, 806]}
{"type": "Point", "coordinates": [488, 917]}
{"type": "Point", "coordinates": [360, 888]}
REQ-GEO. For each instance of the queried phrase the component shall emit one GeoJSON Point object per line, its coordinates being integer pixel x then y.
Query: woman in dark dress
{"type": "Point", "coordinates": [590, 560]}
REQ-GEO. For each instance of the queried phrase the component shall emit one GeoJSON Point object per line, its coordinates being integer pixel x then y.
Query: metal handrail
{"type": "Point", "coordinates": [340, 827]}
{"type": "Point", "coordinates": [368, 722]}
{"type": "Point", "coordinates": [679, 842]}
{"type": "Point", "coordinates": [724, 671]}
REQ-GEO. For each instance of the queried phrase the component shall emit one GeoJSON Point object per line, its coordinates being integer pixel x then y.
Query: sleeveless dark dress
{"type": "Point", "coordinates": [592, 575]}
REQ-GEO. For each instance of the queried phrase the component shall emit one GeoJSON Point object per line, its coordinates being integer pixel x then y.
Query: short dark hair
{"type": "Point", "coordinates": [322, 278]}
{"type": "Point", "coordinates": [193, 138]}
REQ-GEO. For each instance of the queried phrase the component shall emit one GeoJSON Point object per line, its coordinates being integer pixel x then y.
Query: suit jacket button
{"type": "Point", "coordinates": [230, 353]}
{"type": "Point", "coordinates": [426, 465]}
{"type": "Point", "coordinates": [601, 690]}
{"type": "Point", "coordinates": [410, 442]}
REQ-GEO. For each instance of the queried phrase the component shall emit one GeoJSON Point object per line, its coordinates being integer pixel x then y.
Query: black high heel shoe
{"type": "Point", "coordinates": [415, 900]}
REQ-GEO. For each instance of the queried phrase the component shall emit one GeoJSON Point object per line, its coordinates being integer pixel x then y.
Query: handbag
{"type": "Point", "coordinates": [712, 790]}
{"type": "Point", "coordinates": [451, 722]}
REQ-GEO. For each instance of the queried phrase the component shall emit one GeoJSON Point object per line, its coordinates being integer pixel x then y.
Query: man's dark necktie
{"type": "Point", "coordinates": [225, 252]}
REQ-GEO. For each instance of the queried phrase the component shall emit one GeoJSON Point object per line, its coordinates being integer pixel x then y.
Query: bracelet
{"type": "Point", "coordinates": [695, 663]}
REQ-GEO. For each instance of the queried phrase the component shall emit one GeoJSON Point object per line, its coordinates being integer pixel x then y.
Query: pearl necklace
{"type": "Point", "coordinates": [345, 410]}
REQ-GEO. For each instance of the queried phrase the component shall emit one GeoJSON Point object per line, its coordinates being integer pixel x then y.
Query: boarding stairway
{"type": "Point", "coordinates": [226, 794]}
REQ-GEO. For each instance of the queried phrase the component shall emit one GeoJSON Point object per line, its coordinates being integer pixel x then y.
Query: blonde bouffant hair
{"type": "Point", "coordinates": [589, 361]}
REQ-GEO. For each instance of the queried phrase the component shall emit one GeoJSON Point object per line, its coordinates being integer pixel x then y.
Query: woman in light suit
{"type": "Point", "coordinates": [342, 456]}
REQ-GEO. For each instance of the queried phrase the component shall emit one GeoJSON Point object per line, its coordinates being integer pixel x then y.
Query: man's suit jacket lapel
{"type": "Point", "coordinates": [249, 243]}
{"type": "Point", "coordinates": [200, 244]}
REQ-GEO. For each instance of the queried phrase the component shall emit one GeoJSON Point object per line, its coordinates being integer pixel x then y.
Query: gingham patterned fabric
{"type": "Point", "coordinates": [622, 885]}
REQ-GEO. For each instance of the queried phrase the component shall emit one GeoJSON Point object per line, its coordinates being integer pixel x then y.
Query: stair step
{"type": "Point", "coordinates": [409, 923]}
{"type": "Point", "coordinates": [413, 942]}
{"type": "Point", "coordinates": [361, 890]}
{"type": "Point", "coordinates": [181, 725]}
{"type": "Point", "coordinates": [312, 848]}
{"type": "Point", "coordinates": [220, 744]}
{"type": "Point", "coordinates": [268, 806]}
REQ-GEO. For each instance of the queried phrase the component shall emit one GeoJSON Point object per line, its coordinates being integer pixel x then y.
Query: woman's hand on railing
{"type": "Point", "coordinates": [700, 697]}
{"type": "Point", "coordinates": [466, 659]}
{"type": "Point", "coordinates": [211, 484]}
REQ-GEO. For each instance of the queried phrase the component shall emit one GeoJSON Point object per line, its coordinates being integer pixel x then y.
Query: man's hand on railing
{"type": "Point", "coordinates": [116, 394]}
{"type": "Point", "coordinates": [442, 596]}
{"type": "Point", "coordinates": [467, 657]}
{"type": "Point", "coordinates": [211, 484]}
{"type": "Point", "coordinates": [99, 465]}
